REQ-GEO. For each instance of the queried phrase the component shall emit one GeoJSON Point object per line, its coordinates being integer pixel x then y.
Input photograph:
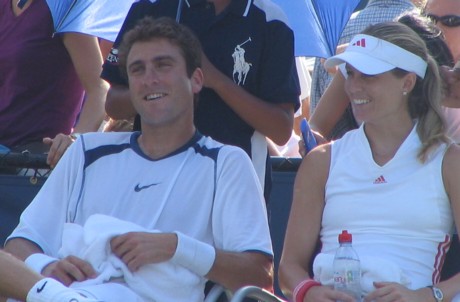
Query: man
{"type": "Point", "coordinates": [150, 215]}
{"type": "Point", "coordinates": [251, 88]}
{"type": "Point", "coordinates": [446, 15]}
{"type": "Point", "coordinates": [375, 12]}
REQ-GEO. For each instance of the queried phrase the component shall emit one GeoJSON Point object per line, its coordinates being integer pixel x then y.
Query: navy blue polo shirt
{"type": "Point", "coordinates": [250, 42]}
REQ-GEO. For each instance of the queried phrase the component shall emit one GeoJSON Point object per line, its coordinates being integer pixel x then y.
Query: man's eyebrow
{"type": "Point", "coordinates": [163, 58]}
{"type": "Point", "coordinates": [154, 59]}
{"type": "Point", "coordinates": [137, 62]}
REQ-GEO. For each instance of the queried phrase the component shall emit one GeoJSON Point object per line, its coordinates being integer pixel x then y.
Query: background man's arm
{"type": "Point", "coordinates": [275, 121]}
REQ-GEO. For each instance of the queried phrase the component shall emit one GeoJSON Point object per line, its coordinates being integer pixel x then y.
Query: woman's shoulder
{"type": "Point", "coordinates": [452, 155]}
{"type": "Point", "coordinates": [451, 163]}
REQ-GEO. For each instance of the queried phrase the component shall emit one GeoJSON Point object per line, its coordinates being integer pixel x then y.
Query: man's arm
{"type": "Point", "coordinates": [65, 270]}
{"type": "Point", "coordinates": [235, 270]}
{"type": "Point", "coordinates": [331, 107]}
{"type": "Point", "coordinates": [230, 269]}
{"type": "Point", "coordinates": [272, 120]}
{"type": "Point", "coordinates": [118, 105]}
{"type": "Point", "coordinates": [22, 248]}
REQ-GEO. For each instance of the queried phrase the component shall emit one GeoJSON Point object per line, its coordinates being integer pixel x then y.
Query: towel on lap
{"type": "Point", "coordinates": [153, 282]}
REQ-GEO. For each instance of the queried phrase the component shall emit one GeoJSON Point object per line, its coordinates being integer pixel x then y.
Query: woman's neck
{"type": "Point", "coordinates": [386, 141]}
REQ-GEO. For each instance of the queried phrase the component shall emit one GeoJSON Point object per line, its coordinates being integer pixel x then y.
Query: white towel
{"type": "Point", "coordinates": [153, 282]}
{"type": "Point", "coordinates": [373, 269]}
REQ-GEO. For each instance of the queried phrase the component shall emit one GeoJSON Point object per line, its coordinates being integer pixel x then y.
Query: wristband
{"type": "Point", "coordinates": [37, 262]}
{"type": "Point", "coordinates": [193, 254]}
{"type": "Point", "coordinates": [302, 288]}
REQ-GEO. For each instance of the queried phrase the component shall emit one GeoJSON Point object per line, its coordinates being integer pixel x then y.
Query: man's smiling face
{"type": "Point", "coordinates": [161, 90]}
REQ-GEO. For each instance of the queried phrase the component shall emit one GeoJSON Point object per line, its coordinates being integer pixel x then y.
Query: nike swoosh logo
{"type": "Point", "coordinates": [39, 290]}
{"type": "Point", "coordinates": [138, 188]}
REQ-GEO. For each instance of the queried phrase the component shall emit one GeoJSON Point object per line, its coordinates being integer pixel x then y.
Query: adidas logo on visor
{"type": "Point", "coordinates": [361, 43]}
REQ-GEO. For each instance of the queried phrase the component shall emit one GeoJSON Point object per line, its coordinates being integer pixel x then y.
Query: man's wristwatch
{"type": "Point", "coordinates": [437, 293]}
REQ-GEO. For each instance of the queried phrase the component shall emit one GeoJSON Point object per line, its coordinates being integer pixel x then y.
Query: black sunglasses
{"type": "Point", "coordinates": [447, 20]}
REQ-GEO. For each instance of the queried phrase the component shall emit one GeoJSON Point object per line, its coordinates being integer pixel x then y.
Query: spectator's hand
{"type": "Point", "coordinates": [210, 72]}
{"type": "Point", "coordinates": [69, 269]}
{"type": "Point", "coordinates": [326, 294]}
{"type": "Point", "coordinates": [136, 249]}
{"type": "Point", "coordinates": [451, 78]}
{"type": "Point", "coordinates": [392, 292]}
{"type": "Point", "coordinates": [333, 70]}
{"type": "Point", "coordinates": [58, 146]}
{"type": "Point", "coordinates": [319, 140]}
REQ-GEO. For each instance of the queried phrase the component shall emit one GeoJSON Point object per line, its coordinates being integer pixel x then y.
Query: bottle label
{"type": "Point", "coordinates": [346, 277]}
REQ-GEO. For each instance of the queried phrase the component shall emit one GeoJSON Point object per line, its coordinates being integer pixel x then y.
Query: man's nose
{"type": "Point", "coordinates": [151, 77]}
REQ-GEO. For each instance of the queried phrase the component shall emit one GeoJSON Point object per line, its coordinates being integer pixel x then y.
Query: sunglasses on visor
{"type": "Point", "coordinates": [447, 20]}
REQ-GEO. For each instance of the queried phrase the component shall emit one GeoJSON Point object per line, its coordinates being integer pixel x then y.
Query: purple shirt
{"type": "Point", "coordinates": [40, 93]}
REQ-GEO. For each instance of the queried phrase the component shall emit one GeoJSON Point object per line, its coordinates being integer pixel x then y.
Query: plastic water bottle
{"type": "Point", "coordinates": [347, 268]}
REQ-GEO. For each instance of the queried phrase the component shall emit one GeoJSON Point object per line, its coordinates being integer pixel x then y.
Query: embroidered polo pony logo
{"type": "Point", "coordinates": [240, 66]}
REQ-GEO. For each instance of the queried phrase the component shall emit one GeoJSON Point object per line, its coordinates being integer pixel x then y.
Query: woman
{"type": "Point", "coordinates": [392, 183]}
{"type": "Point", "coordinates": [334, 103]}
{"type": "Point", "coordinates": [43, 78]}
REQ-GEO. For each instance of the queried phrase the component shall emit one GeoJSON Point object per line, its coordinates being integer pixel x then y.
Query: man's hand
{"type": "Point", "coordinates": [319, 141]}
{"type": "Point", "coordinates": [333, 70]}
{"type": "Point", "coordinates": [137, 249]}
{"type": "Point", "coordinates": [59, 145]}
{"type": "Point", "coordinates": [69, 269]}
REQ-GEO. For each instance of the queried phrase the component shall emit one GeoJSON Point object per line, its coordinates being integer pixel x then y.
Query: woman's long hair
{"type": "Point", "coordinates": [424, 101]}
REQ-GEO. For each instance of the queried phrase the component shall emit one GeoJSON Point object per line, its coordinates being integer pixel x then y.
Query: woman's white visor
{"type": "Point", "coordinates": [371, 55]}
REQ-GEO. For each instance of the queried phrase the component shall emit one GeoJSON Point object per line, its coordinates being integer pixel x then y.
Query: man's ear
{"type": "Point", "coordinates": [197, 80]}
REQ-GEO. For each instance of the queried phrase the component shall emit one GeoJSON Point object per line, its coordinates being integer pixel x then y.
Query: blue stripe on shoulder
{"type": "Point", "coordinates": [94, 154]}
{"type": "Point", "coordinates": [205, 151]}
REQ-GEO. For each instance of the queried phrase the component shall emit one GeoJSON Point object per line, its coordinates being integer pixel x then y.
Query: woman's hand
{"type": "Point", "coordinates": [395, 292]}
{"type": "Point", "coordinates": [326, 294]}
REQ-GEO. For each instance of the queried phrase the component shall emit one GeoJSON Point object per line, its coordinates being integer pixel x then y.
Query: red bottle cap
{"type": "Point", "coordinates": [345, 237]}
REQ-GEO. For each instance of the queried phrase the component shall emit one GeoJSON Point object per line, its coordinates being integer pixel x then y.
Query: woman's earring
{"type": "Point", "coordinates": [404, 93]}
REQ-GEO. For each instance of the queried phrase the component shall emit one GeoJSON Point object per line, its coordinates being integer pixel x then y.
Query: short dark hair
{"type": "Point", "coordinates": [148, 29]}
{"type": "Point", "coordinates": [431, 34]}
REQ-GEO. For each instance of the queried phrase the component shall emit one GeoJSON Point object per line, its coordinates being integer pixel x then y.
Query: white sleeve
{"type": "Point", "coordinates": [239, 216]}
{"type": "Point", "coordinates": [43, 220]}
{"type": "Point", "coordinates": [304, 77]}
